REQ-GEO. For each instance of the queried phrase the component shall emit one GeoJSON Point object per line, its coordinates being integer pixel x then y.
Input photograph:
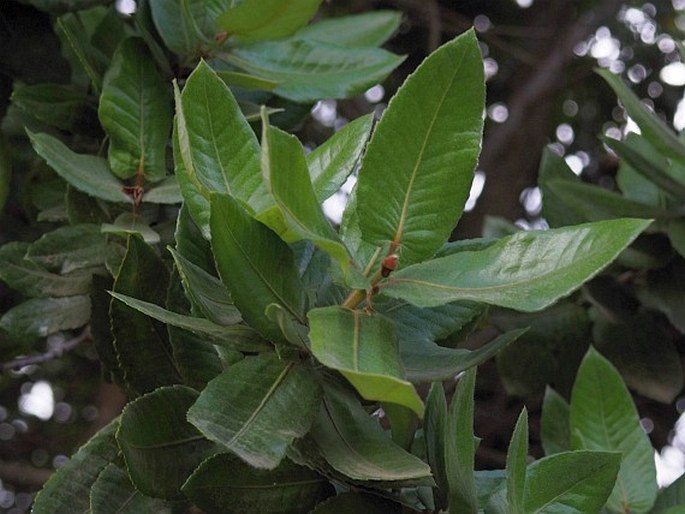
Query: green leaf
{"type": "Point", "coordinates": [256, 265]}
{"type": "Point", "coordinates": [57, 105]}
{"type": "Point", "coordinates": [355, 445]}
{"type": "Point", "coordinates": [555, 430]}
{"type": "Point", "coordinates": [257, 407]}
{"type": "Point", "coordinates": [246, 81]}
{"type": "Point", "coordinates": [671, 496]}
{"type": "Point", "coordinates": [238, 337]}
{"type": "Point", "coordinates": [135, 112]}
{"type": "Point", "coordinates": [167, 191]}
{"type": "Point", "coordinates": [225, 484]}
{"type": "Point", "coordinates": [142, 344]}
{"type": "Point", "coordinates": [603, 417]}
{"type": "Point", "coordinates": [5, 172]}
{"type": "Point", "coordinates": [354, 31]}
{"type": "Point", "coordinates": [216, 146]}
{"type": "Point", "coordinates": [207, 292]}
{"type": "Point", "coordinates": [254, 20]}
{"type": "Point", "coordinates": [129, 224]}
{"type": "Point", "coordinates": [40, 317]}
{"type": "Point", "coordinates": [570, 483]}
{"type": "Point", "coordinates": [93, 62]}
{"type": "Point", "coordinates": [160, 447]}
{"type": "Point", "coordinates": [364, 349]}
{"type": "Point", "coordinates": [435, 431]}
{"type": "Point", "coordinates": [66, 491]}
{"type": "Point", "coordinates": [527, 271]}
{"type": "Point", "coordinates": [307, 71]}
{"type": "Point", "coordinates": [32, 279]}
{"type": "Point", "coordinates": [460, 448]}
{"type": "Point", "coordinates": [517, 456]}
{"type": "Point", "coordinates": [422, 154]}
{"type": "Point", "coordinates": [653, 129]}
{"type": "Point", "coordinates": [331, 163]}
{"type": "Point", "coordinates": [355, 503]}
{"type": "Point", "coordinates": [70, 248]}
{"type": "Point", "coordinates": [86, 173]}
{"type": "Point", "coordinates": [113, 493]}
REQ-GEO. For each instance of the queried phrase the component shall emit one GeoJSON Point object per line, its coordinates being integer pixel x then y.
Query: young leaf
{"type": "Point", "coordinates": [307, 71]}
{"type": "Point", "coordinates": [355, 445]}
{"type": "Point", "coordinates": [571, 483]}
{"type": "Point", "coordinates": [354, 31]}
{"type": "Point", "coordinates": [555, 430]}
{"type": "Point", "coordinates": [113, 493]}
{"type": "Point", "coordinates": [160, 447]}
{"type": "Point", "coordinates": [603, 417]}
{"type": "Point", "coordinates": [527, 271]}
{"type": "Point", "coordinates": [257, 407]}
{"type": "Point", "coordinates": [86, 173]}
{"type": "Point", "coordinates": [64, 493]}
{"type": "Point", "coordinates": [256, 266]}
{"type": "Point", "coordinates": [364, 349]}
{"type": "Point", "coordinates": [460, 448]}
{"type": "Point", "coordinates": [435, 432]}
{"type": "Point", "coordinates": [422, 154]}
{"type": "Point", "coordinates": [238, 337]}
{"type": "Point", "coordinates": [224, 483]}
{"type": "Point", "coordinates": [254, 20]}
{"type": "Point", "coordinates": [331, 163]}
{"type": "Point", "coordinates": [136, 113]}
{"type": "Point", "coordinates": [517, 455]}
{"type": "Point", "coordinates": [40, 317]}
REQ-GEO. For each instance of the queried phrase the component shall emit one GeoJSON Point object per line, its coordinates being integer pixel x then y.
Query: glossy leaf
{"type": "Point", "coordinates": [570, 483]}
{"type": "Point", "coordinates": [354, 31]}
{"type": "Point", "coordinates": [364, 349]}
{"type": "Point", "coordinates": [307, 71]}
{"type": "Point", "coordinates": [331, 163]}
{"type": "Point", "coordinates": [254, 20]}
{"type": "Point", "coordinates": [40, 317]}
{"type": "Point", "coordinates": [517, 455]}
{"type": "Point", "coordinates": [257, 407]}
{"type": "Point", "coordinates": [67, 490]}
{"type": "Point", "coordinates": [255, 264]}
{"type": "Point", "coordinates": [239, 337]}
{"type": "Point", "coordinates": [422, 155]}
{"type": "Point", "coordinates": [135, 112]}
{"type": "Point", "coordinates": [603, 417]}
{"type": "Point", "coordinates": [555, 430]}
{"type": "Point", "coordinates": [113, 493]}
{"type": "Point", "coordinates": [355, 445]}
{"type": "Point", "coordinates": [527, 271]}
{"type": "Point", "coordinates": [70, 248]}
{"type": "Point", "coordinates": [435, 433]}
{"type": "Point", "coordinates": [86, 173]}
{"type": "Point", "coordinates": [225, 484]}
{"type": "Point", "coordinates": [460, 447]}
{"type": "Point", "coordinates": [142, 343]}
{"type": "Point", "coordinates": [167, 191]}
{"type": "Point", "coordinates": [160, 447]}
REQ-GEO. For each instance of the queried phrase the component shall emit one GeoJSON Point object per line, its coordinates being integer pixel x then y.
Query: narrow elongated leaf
{"type": "Point", "coordinates": [92, 61]}
{"type": "Point", "coordinates": [239, 337]}
{"type": "Point", "coordinates": [652, 127]}
{"type": "Point", "coordinates": [254, 20]}
{"type": "Point", "coordinates": [142, 344]}
{"type": "Point", "coordinates": [225, 484]}
{"type": "Point", "coordinates": [191, 244]}
{"type": "Point", "coordinates": [527, 271]}
{"type": "Point", "coordinates": [555, 430]}
{"type": "Point", "coordinates": [435, 433]}
{"type": "Point", "coordinates": [32, 279]}
{"type": "Point", "coordinates": [307, 71]}
{"type": "Point", "coordinates": [70, 248]}
{"type": "Point", "coordinates": [67, 491]}
{"type": "Point", "coordinates": [460, 448]}
{"type": "Point", "coordinates": [135, 111]}
{"type": "Point", "coordinates": [517, 456]}
{"type": "Point", "coordinates": [571, 482]}
{"type": "Point", "coordinates": [160, 447]}
{"type": "Point", "coordinates": [355, 445]}
{"type": "Point", "coordinates": [40, 317]}
{"type": "Point", "coordinates": [422, 154]}
{"type": "Point", "coordinates": [354, 31]}
{"type": "Point", "coordinates": [113, 493]}
{"type": "Point", "coordinates": [86, 173]}
{"type": "Point", "coordinates": [255, 264]}
{"type": "Point", "coordinates": [603, 417]}
{"type": "Point", "coordinates": [257, 407]}
{"type": "Point", "coordinates": [331, 163]}
{"type": "Point", "coordinates": [364, 349]}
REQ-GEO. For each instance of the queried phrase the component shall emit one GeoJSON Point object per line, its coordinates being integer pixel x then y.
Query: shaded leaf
{"type": "Point", "coordinates": [669, 497]}
{"type": "Point", "coordinates": [70, 248]}
{"type": "Point", "coordinates": [555, 430]}
{"type": "Point", "coordinates": [356, 30]}
{"type": "Point", "coordinates": [54, 104]}
{"type": "Point", "coordinates": [435, 433]}
{"type": "Point", "coordinates": [167, 191]}
{"type": "Point", "coordinates": [354, 503]}
{"type": "Point", "coordinates": [40, 317]}
{"type": "Point", "coordinates": [113, 492]}
{"type": "Point", "coordinates": [517, 455]}
{"type": "Point", "coordinates": [130, 224]}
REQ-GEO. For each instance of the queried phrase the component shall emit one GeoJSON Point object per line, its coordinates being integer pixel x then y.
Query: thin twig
{"type": "Point", "coordinates": [52, 354]}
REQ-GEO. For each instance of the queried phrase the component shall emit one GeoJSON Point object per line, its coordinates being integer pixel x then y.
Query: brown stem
{"type": "Point", "coordinates": [52, 354]}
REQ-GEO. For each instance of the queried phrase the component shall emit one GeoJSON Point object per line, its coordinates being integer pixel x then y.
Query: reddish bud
{"type": "Point", "coordinates": [389, 264]}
